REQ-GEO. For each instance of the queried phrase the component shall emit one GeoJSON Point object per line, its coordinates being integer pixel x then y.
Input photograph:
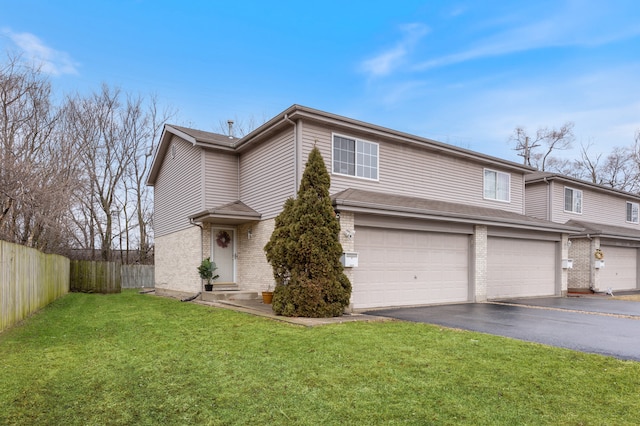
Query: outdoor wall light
{"type": "Point", "coordinates": [249, 234]}
{"type": "Point", "coordinates": [349, 233]}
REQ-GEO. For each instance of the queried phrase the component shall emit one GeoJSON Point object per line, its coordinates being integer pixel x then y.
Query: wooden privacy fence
{"type": "Point", "coordinates": [29, 280]}
{"type": "Point", "coordinates": [137, 276]}
{"type": "Point", "coordinates": [89, 276]}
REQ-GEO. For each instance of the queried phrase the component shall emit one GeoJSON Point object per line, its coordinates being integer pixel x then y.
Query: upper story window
{"type": "Point", "coordinates": [572, 200]}
{"type": "Point", "coordinates": [355, 157]}
{"type": "Point", "coordinates": [632, 212]}
{"type": "Point", "coordinates": [497, 185]}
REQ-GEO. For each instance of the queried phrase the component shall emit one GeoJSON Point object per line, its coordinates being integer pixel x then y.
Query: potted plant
{"type": "Point", "coordinates": [206, 270]}
{"type": "Point", "coordinates": [267, 296]}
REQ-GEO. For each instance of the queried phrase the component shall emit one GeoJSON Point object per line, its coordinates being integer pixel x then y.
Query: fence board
{"type": "Point", "coordinates": [29, 280]}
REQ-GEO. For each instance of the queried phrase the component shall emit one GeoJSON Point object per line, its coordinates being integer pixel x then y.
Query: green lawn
{"type": "Point", "coordinates": [139, 359]}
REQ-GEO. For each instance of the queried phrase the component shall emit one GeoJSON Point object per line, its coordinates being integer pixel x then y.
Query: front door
{"type": "Point", "coordinates": [223, 250]}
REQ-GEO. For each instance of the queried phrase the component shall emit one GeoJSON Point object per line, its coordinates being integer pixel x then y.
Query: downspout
{"type": "Point", "coordinates": [592, 268]}
{"type": "Point", "coordinates": [192, 222]}
{"type": "Point", "coordinates": [549, 199]}
{"type": "Point", "coordinates": [295, 153]}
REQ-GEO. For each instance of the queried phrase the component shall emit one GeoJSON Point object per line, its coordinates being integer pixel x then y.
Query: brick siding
{"type": "Point", "coordinates": [177, 258]}
{"type": "Point", "coordinates": [580, 276]}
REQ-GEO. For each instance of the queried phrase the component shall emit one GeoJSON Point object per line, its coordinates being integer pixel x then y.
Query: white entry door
{"type": "Point", "coordinates": [223, 249]}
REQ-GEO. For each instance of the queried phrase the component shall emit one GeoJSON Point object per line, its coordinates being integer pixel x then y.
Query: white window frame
{"type": "Point", "coordinates": [357, 156]}
{"type": "Point", "coordinates": [573, 203]}
{"type": "Point", "coordinates": [635, 211]}
{"type": "Point", "coordinates": [497, 174]}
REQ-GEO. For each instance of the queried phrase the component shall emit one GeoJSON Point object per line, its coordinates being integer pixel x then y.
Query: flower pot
{"type": "Point", "coordinates": [208, 287]}
{"type": "Point", "coordinates": [267, 297]}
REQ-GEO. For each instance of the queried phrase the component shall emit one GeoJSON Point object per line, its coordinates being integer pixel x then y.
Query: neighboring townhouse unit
{"type": "Point", "coordinates": [427, 222]}
{"type": "Point", "coordinates": [605, 250]}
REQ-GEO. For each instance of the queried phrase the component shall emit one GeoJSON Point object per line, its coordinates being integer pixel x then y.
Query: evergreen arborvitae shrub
{"type": "Point", "coordinates": [304, 250]}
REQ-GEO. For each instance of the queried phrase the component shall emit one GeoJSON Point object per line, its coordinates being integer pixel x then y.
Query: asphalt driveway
{"type": "Point", "coordinates": [595, 325]}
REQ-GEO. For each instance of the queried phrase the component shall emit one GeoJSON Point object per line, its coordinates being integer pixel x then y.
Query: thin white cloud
{"type": "Point", "coordinates": [601, 104]}
{"type": "Point", "coordinates": [49, 60]}
{"type": "Point", "coordinates": [389, 60]}
{"type": "Point", "coordinates": [573, 26]}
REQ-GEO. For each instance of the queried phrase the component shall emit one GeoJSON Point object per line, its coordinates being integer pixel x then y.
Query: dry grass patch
{"type": "Point", "coordinates": [632, 297]}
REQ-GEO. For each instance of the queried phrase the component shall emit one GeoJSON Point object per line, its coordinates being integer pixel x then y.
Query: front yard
{"type": "Point", "coordinates": [140, 359]}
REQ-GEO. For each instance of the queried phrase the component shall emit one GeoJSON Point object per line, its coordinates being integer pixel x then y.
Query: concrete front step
{"type": "Point", "coordinates": [212, 296]}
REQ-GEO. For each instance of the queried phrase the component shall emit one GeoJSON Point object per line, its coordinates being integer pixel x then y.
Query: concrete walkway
{"type": "Point", "coordinates": [256, 307]}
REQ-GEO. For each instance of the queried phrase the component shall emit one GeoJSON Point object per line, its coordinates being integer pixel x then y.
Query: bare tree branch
{"type": "Point", "coordinates": [550, 139]}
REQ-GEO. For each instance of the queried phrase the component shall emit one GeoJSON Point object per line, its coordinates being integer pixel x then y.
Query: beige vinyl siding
{"type": "Point", "coordinates": [221, 178]}
{"type": "Point", "coordinates": [417, 172]}
{"type": "Point", "coordinates": [267, 175]}
{"type": "Point", "coordinates": [177, 190]}
{"type": "Point", "coordinates": [537, 200]}
{"type": "Point", "coordinates": [597, 207]}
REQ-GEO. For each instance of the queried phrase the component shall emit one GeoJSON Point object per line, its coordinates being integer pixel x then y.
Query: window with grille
{"type": "Point", "coordinates": [355, 157]}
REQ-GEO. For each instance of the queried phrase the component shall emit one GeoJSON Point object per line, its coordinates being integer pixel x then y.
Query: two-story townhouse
{"type": "Point", "coordinates": [605, 251]}
{"type": "Point", "coordinates": [429, 222]}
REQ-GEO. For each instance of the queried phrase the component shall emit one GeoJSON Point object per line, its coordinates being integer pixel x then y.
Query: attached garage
{"type": "Point", "coordinates": [408, 267]}
{"type": "Point", "coordinates": [520, 268]}
{"type": "Point", "coordinates": [621, 268]}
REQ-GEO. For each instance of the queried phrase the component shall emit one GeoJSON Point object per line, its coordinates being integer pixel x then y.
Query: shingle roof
{"type": "Point", "coordinates": [360, 200]}
{"type": "Point", "coordinates": [603, 230]}
{"type": "Point", "coordinates": [235, 212]}
{"type": "Point", "coordinates": [206, 137]}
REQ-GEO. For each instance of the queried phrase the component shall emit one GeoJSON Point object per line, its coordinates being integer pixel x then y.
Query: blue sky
{"type": "Point", "coordinates": [462, 72]}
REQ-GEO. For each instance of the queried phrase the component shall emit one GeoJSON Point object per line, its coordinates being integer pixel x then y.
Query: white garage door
{"type": "Point", "coordinates": [620, 268]}
{"type": "Point", "coordinates": [399, 268]}
{"type": "Point", "coordinates": [520, 268]}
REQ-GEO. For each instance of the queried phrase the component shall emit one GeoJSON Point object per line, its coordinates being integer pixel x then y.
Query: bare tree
{"type": "Point", "coordinates": [587, 167]}
{"type": "Point", "coordinates": [117, 133]}
{"type": "Point", "coordinates": [548, 139]}
{"type": "Point", "coordinates": [619, 169]}
{"type": "Point", "coordinates": [74, 175]}
{"type": "Point", "coordinates": [145, 128]}
{"type": "Point", "coordinates": [105, 151]}
{"type": "Point", "coordinates": [38, 169]}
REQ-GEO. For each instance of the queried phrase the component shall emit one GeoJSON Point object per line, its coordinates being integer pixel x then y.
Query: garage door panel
{"type": "Point", "coordinates": [620, 271]}
{"type": "Point", "coordinates": [399, 268]}
{"type": "Point", "coordinates": [520, 268]}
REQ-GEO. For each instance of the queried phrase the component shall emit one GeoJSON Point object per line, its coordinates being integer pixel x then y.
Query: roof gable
{"type": "Point", "coordinates": [207, 140]}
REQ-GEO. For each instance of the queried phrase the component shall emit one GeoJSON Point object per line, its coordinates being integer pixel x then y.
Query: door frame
{"type": "Point", "coordinates": [234, 256]}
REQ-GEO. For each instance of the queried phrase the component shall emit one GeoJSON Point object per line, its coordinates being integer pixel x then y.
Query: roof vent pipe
{"type": "Point", "coordinates": [230, 123]}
